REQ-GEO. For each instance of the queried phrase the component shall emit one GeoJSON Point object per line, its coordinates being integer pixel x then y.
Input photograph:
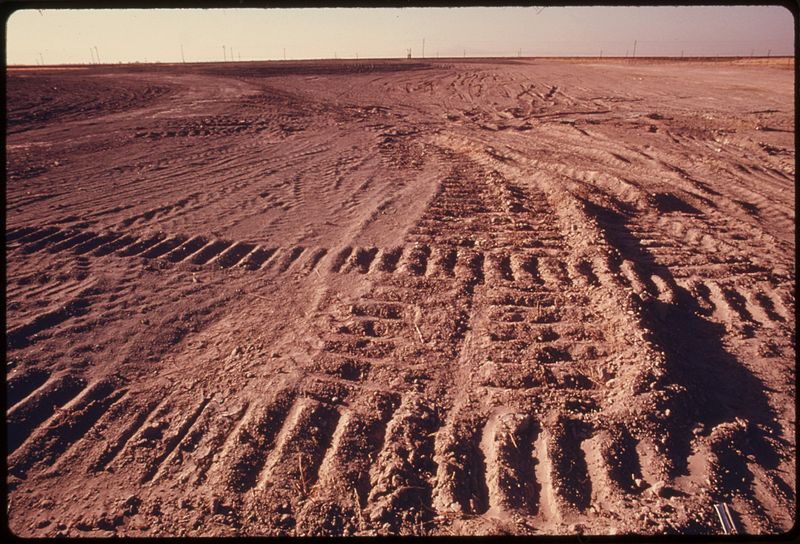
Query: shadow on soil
{"type": "Point", "coordinates": [718, 388]}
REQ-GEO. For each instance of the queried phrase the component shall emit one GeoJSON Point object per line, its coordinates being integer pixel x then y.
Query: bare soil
{"type": "Point", "coordinates": [338, 298]}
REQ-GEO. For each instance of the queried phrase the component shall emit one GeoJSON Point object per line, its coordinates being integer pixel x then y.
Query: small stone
{"type": "Point", "coordinates": [659, 489]}
{"type": "Point", "coordinates": [377, 514]}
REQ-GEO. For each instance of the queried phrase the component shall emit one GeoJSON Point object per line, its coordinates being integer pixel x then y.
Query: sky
{"type": "Point", "coordinates": [57, 36]}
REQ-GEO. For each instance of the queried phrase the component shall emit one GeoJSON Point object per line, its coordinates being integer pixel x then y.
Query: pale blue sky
{"type": "Point", "coordinates": [66, 36]}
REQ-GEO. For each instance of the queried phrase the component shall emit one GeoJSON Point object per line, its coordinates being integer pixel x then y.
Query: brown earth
{"type": "Point", "coordinates": [373, 298]}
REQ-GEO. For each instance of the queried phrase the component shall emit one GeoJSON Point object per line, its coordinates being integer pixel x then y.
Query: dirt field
{"type": "Point", "coordinates": [444, 298]}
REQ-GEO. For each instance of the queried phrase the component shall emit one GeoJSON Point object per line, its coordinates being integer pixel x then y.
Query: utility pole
{"type": "Point", "coordinates": [183, 59]}
{"type": "Point", "coordinates": [634, 48]}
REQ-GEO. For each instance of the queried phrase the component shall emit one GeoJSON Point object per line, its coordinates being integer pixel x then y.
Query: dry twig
{"type": "Point", "coordinates": [419, 332]}
{"type": "Point", "coordinates": [358, 509]}
{"type": "Point", "coordinates": [302, 474]}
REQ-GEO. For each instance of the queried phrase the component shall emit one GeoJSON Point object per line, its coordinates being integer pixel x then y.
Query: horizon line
{"type": "Point", "coordinates": [429, 59]}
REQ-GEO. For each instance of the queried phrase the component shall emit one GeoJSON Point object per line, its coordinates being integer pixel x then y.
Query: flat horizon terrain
{"type": "Point", "coordinates": [427, 296]}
